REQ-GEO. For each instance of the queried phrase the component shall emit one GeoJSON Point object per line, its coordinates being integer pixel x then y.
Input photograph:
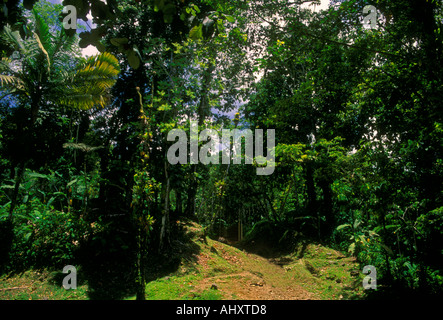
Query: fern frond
{"type": "Point", "coordinates": [81, 146]}
{"type": "Point", "coordinates": [5, 65]}
{"type": "Point", "coordinates": [89, 87]}
{"type": "Point", "coordinates": [43, 32]}
{"type": "Point", "coordinates": [85, 101]}
{"type": "Point", "coordinates": [43, 50]}
{"type": "Point", "coordinates": [6, 80]}
{"type": "Point", "coordinates": [103, 66]}
{"type": "Point", "coordinates": [12, 39]}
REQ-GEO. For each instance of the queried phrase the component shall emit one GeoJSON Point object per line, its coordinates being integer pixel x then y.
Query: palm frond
{"type": "Point", "coordinates": [102, 66]}
{"type": "Point", "coordinates": [43, 32]}
{"type": "Point", "coordinates": [81, 146]}
{"type": "Point", "coordinates": [12, 39]}
{"type": "Point", "coordinates": [89, 86]}
{"type": "Point", "coordinates": [84, 100]}
{"type": "Point", "coordinates": [5, 65]}
{"type": "Point", "coordinates": [30, 48]}
{"type": "Point", "coordinates": [43, 50]}
{"type": "Point", "coordinates": [69, 42]}
{"type": "Point", "coordinates": [7, 80]}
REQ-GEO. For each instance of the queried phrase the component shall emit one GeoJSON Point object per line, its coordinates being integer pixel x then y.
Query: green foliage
{"type": "Point", "coordinates": [48, 227]}
{"type": "Point", "coordinates": [45, 237]}
{"type": "Point", "coordinates": [356, 113]}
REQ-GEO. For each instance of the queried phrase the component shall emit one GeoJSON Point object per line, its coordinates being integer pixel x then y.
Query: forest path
{"type": "Point", "coordinates": [311, 272]}
{"type": "Point", "coordinates": [258, 279]}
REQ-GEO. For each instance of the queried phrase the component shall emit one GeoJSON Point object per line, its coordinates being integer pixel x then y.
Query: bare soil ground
{"type": "Point", "coordinates": [258, 279]}
{"type": "Point", "coordinates": [316, 273]}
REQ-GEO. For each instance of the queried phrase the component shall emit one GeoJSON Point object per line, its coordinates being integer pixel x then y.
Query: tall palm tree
{"type": "Point", "coordinates": [44, 71]}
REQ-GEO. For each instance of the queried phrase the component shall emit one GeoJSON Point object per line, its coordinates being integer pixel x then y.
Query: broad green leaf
{"type": "Point", "coordinates": [159, 5]}
{"type": "Point", "coordinates": [100, 46]}
{"type": "Point", "coordinates": [351, 248]}
{"type": "Point", "coordinates": [27, 236]}
{"type": "Point", "coordinates": [196, 32]}
{"type": "Point", "coordinates": [5, 186]}
{"type": "Point", "coordinates": [387, 248]}
{"type": "Point", "coordinates": [50, 201]}
{"type": "Point", "coordinates": [119, 41]}
{"type": "Point", "coordinates": [230, 19]}
{"type": "Point", "coordinates": [134, 60]}
{"type": "Point", "coordinates": [71, 183]}
{"type": "Point", "coordinates": [343, 226]}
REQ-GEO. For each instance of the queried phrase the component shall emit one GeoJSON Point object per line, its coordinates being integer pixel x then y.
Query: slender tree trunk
{"type": "Point", "coordinates": [141, 243]}
{"type": "Point", "coordinates": [312, 197]}
{"type": "Point", "coordinates": [190, 203]}
{"type": "Point", "coordinates": [179, 203]}
{"type": "Point", "coordinates": [312, 201]}
{"type": "Point", "coordinates": [18, 179]}
{"type": "Point", "coordinates": [203, 109]}
{"type": "Point", "coordinates": [164, 232]}
{"type": "Point", "coordinates": [274, 213]}
{"type": "Point", "coordinates": [327, 205]}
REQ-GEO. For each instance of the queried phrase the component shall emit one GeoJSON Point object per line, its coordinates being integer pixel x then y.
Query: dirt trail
{"type": "Point", "coordinates": [311, 272]}
{"type": "Point", "coordinates": [259, 279]}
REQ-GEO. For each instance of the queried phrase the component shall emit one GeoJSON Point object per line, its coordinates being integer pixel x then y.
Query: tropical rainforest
{"type": "Point", "coordinates": [353, 91]}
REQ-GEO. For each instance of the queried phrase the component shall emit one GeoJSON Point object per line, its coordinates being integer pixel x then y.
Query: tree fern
{"type": "Point", "coordinates": [44, 57]}
{"type": "Point", "coordinates": [90, 84]}
{"type": "Point", "coordinates": [46, 74]}
{"type": "Point", "coordinates": [6, 80]}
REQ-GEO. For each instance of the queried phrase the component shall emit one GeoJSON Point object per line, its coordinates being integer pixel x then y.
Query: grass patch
{"type": "Point", "coordinates": [39, 285]}
{"type": "Point", "coordinates": [208, 294]}
{"type": "Point", "coordinates": [181, 287]}
{"type": "Point", "coordinates": [170, 288]}
{"type": "Point", "coordinates": [327, 272]}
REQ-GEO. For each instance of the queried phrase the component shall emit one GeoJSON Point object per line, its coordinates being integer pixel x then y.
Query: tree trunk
{"type": "Point", "coordinates": [312, 196]}
{"type": "Point", "coordinates": [202, 112]}
{"type": "Point", "coordinates": [190, 203]}
{"type": "Point", "coordinates": [179, 203]}
{"type": "Point", "coordinates": [327, 205]}
{"type": "Point", "coordinates": [141, 281]}
{"type": "Point", "coordinates": [18, 179]}
{"type": "Point", "coordinates": [164, 232]}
